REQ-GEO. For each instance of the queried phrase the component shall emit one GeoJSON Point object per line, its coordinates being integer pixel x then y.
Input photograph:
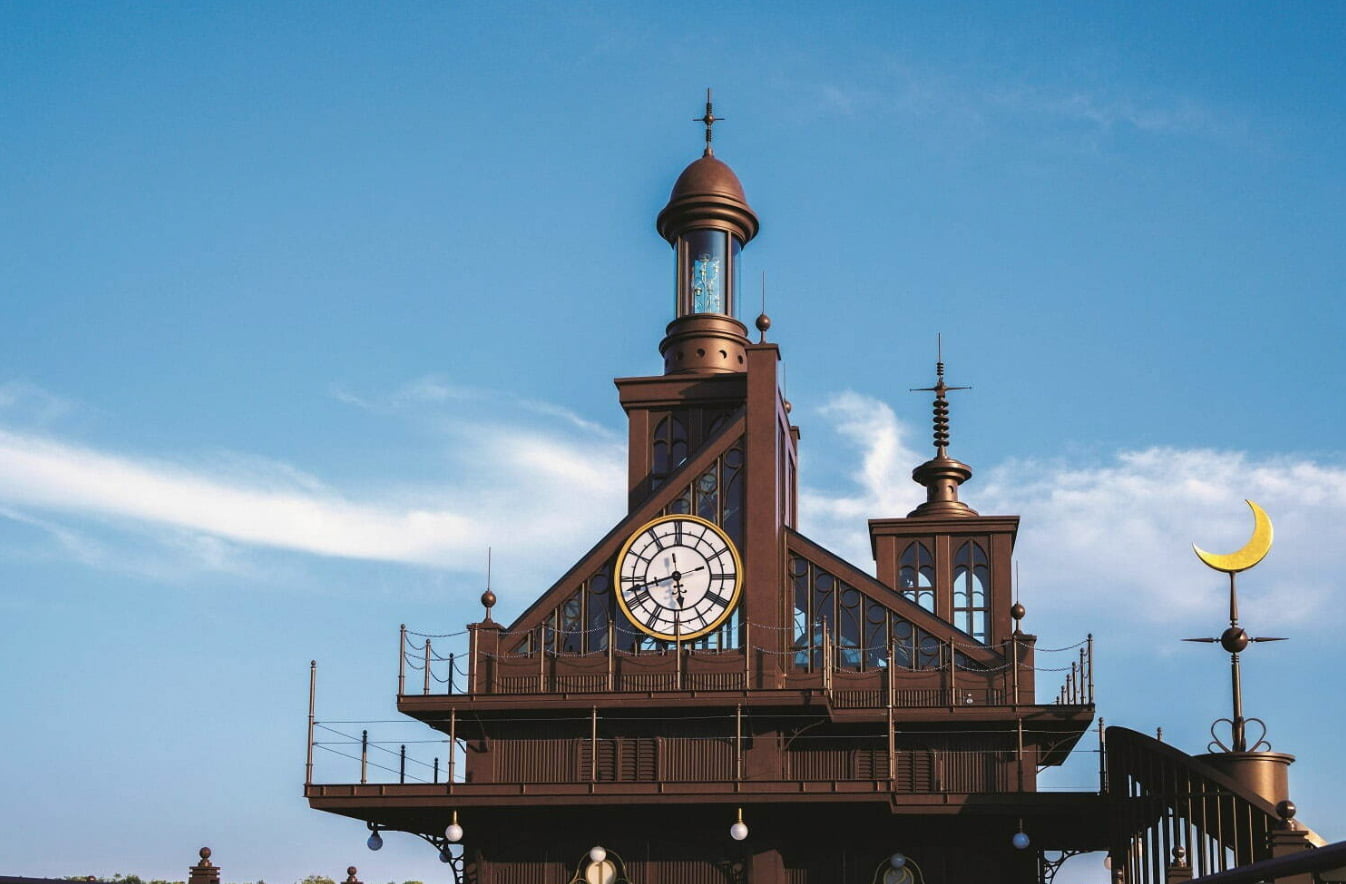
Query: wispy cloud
{"type": "Point", "coordinates": [429, 392]}
{"type": "Point", "coordinates": [896, 89]}
{"type": "Point", "coordinates": [512, 485]}
{"type": "Point", "coordinates": [1171, 114]}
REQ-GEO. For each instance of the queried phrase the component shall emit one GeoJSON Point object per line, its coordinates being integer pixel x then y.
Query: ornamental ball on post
{"type": "Point", "coordinates": [763, 324]}
{"type": "Point", "coordinates": [597, 854]}
{"type": "Point", "coordinates": [1234, 640]}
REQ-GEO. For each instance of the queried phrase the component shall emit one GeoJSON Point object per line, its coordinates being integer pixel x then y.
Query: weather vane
{"type": "Point", "coordinates": [1235, 638]}
{"type": "Point", "coordinates": [710, 120]}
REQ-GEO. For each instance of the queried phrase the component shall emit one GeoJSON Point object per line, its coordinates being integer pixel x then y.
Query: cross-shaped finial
{"type": "Point", "coordinates": [709, 120]}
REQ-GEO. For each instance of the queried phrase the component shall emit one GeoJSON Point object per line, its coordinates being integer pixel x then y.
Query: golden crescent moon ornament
{"type": "Point", "coordinates": [1252, 552]}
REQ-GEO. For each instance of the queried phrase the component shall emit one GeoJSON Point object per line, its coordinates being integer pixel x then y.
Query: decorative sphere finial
{"type": "Point", "coordinates": [204, 853]}
{"type": "Point", "coordinates": [763, 323]}
{"type": "Point", "coordinates": [1018, 612]}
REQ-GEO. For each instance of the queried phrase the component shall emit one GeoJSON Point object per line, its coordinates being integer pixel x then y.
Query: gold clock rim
{"type": "Point", "coordinates": [733, 599]}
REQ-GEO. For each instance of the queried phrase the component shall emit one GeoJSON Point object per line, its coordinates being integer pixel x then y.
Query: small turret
{"type": "Point", "coordinates": [707, 222]}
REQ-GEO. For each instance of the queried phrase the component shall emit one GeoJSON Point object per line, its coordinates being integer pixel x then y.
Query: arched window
{"type": "Point", "coordinates": [971, 582]}
{"type": "Point", "coordinates": [916, 577]}
{"type": "Point", "coordinates": [669, 448]}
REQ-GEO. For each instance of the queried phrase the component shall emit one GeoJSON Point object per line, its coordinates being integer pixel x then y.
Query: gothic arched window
{"type": "Point", "coordinates": [916, 577]}
{"type": "Point", "coordinates": [668, 448]}
{"type": "Point", "coordinates": [971, 582]}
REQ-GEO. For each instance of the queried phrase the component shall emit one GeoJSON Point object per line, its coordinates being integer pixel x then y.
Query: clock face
{"type": "Point", "coordinates": [678, 577]}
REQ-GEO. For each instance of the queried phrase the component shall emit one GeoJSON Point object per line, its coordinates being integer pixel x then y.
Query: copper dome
{"type": "Point", "coordinates": [707, 194]}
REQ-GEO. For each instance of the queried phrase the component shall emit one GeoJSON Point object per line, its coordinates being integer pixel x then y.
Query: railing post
{"type": "Point", "coordinates": [1090, 646]}
{"type": "Point", "coordinates": [892, 735]}
{"type": "Point", "coordinates": [677, 648]}
{"type": "Point", "coordinates": [402, 765]}
{"type": "Point", "coordinates": [541, 659]}
{"type": "Point", "coordinates": [1102, 759]}
{"type": "Point", "coordinates": [473, 662]}
{"type": "Point", "coordinates": [436, 779]}
{"type": "Point", "coordinates": [1019, 751]}
{"type": "Point", "coordinates": [612, 660]}
{"type": "Point", "coordinates": [453, 748]}
{"type": "Point", "coordinates": [738, 742]}
{"type": "Point", "coordinates": [747, 655]}
{"type": "Point", "coordinates": [364, 756]}
{"type": "Point", "coordinates": [827, 658]}
{"type": "Point", "coordinates": [312, 692]}
{"type": "Point", "coordinates": [593, 745]}
{"type": "Point", "coordinates": [953, 676]}
{"type": "Point", "coordinates": [402, 661]}
{"type": "Point", "coordinates": [426, 688]}
{"type": "Point", "coordinates": [449, 686]}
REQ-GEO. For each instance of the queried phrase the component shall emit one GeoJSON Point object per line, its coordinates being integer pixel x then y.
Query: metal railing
{"type": "Point", "coordinates": [852, 677]}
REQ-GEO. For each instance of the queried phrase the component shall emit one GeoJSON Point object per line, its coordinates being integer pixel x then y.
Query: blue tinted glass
{"type": "Point", "coordinates": [707, 268]}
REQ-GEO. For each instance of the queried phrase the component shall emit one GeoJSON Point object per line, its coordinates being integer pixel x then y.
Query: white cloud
{"type": "Point", "coordinates": [1114, 536]}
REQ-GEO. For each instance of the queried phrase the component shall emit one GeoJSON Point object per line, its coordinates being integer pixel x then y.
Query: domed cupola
{"type": "Point", "coordinates": [707, 221]}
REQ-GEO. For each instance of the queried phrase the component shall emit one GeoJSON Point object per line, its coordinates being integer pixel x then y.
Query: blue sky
{"type": "Point", "coordinates": [304, 307]}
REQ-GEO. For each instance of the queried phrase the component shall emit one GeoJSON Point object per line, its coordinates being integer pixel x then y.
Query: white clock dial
{"type": "Point", "coordinates": [678, 577]}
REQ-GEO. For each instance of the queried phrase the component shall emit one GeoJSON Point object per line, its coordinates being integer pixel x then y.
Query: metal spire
{"type": "Point", "coordinates": [941, 402]}
{"type": "Point", "coordinates": [709, 120]}
{"type": "Point", "coordinates": [941, 475]}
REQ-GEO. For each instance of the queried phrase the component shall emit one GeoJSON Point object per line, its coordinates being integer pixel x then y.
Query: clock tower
{"type": "Point", "coordinates": [709, 695]}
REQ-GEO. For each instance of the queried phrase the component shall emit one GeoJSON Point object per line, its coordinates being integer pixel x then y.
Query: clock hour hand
{"type": "Point", "coordinates": [648, 583]}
